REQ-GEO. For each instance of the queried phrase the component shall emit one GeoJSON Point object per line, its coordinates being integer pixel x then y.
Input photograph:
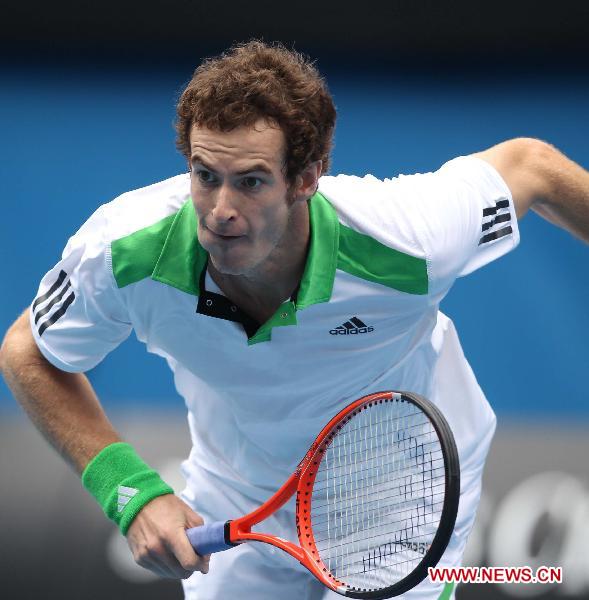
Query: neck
{"type": "Point", "coordinates": [261, 291]}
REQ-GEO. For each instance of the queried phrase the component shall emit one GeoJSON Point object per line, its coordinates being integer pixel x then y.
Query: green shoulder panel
{"type": "Point", "coordinates": [167, 251]}
{"type": "Point", "coordinates": [134, 256]}
{"type": "Point", "coordinates": [364, 257]}
{"type": "Point", "coordinates": [182, 259]}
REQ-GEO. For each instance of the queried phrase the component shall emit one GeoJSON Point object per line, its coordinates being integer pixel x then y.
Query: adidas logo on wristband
{"type": "Point", "coordinates": [125, 494]}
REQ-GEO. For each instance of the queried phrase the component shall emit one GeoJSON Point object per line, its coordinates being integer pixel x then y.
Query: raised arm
{"type": "Point", "coordinates": [545, 180]}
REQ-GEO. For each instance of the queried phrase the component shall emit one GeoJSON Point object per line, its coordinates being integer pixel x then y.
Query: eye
{"type": "Point", "coordinates": [205, 176]}
{"type": "Point", "coordinates": [251, 183]}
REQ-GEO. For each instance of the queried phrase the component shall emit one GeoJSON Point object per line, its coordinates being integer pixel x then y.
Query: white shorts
{"type": "Point", "coordinates": [260, 571]}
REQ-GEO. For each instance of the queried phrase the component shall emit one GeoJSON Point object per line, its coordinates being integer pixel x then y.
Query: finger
{"type": "Point", "coordinates": [193, 519]}
{"type": "Point", "coordinates": [167, 571]}
{"type": "Point", "coordinates": [158, 568]}
{"type": "Point", "coordinates": [185, 554]}
{"type": "Point", "coordinates": [155, 565]}
{"type": "Point", "coordinates": [161, 560]}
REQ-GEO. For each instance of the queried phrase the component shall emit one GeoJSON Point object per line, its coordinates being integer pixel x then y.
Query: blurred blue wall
{"type": "Point", "coordinates": [73, 139]}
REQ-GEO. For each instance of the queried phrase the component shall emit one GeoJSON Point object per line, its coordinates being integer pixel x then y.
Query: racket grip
{"type": "Point", "coordinates": [208, 538]}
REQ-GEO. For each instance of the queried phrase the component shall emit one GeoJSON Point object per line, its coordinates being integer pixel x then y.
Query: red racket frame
{"type": "Point", "coordinates": [301, 482]}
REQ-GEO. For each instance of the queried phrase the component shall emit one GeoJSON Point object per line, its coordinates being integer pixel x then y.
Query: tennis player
{"type": "Point", "coordinates": [277, 294]}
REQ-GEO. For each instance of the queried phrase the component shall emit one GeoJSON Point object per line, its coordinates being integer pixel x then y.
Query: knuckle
{"type": "Point", "coordinates": [155, 550]}
{"type": "Point", "coordinates": [140, 558]}
{"type": "Point", "coordinates": [189, 564]}
{"type": "Point", "coordinates": [144, 553]}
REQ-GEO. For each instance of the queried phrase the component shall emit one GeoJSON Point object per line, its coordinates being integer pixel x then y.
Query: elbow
{"type": "Point", "coordinates": [7, 350]}
{"type": "Point", "coordinates": [18, 346]}
{"type": "Point", "coordinates": [547, 166]}
{"type": "Point", "coordinates": [3, 357]}
{"type": "Point", "coordinates": [5, 353]}
{"type": "Point", "coordinates": [537, 161]}
{"type": "Point", "coordinates": [534, 155]}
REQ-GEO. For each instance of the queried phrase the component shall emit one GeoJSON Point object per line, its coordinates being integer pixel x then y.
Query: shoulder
{"type": "Point", "coordinates": [139, 223]}
{"type": "Point", "coordinates": [352, 194]}
{"type": "Point", "coordinates": [127, 234]}
{"type": "Point", "coordinates": [436, 219]}
{"type": "Point", "coordinates": [377, 237]}
{"type": "Point", "coordinates": [145, 207]}
{"type": "Point", "coordinates": [134, 211]}
{"type": "Point", "coordinates": [382, 207]}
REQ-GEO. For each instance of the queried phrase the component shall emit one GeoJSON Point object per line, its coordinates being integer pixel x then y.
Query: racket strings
{"type": "Point", "coordinates": [374, 561]}
{"type": "Point", "coordinates": [421, 520]}
{"type": "Point", "coordinates": [402, 489]}
{"type": "Point", "coordinates": [411, 511]}
{"type": "Point", "coordinates": [366, 481]}
{"type": "Point", "coordinates": [368, 537]}
{"type": "Point", "coordinates": [421, 450]}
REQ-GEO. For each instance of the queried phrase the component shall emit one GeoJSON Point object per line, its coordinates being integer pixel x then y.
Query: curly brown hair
{"type": "Point", "coordinates": [255, 80]}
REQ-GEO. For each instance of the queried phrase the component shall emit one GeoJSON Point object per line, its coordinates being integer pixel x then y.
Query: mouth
{"type": "Point", "coordinates": [225, 238]}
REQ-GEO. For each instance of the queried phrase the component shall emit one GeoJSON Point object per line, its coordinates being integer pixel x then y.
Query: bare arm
{"type": "Point", "coordinates": [66, 410]}
{"type": "Point", "coordinates": [62, 405]}
{"type": "Point", "coordinates": [545, 180]}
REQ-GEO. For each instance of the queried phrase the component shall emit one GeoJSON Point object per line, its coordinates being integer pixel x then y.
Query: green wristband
{"type": "Point", "coordinates": [122, 483]}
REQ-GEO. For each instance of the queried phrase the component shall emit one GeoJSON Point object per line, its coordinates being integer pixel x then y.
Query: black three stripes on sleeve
{"type": "Point", "coordinates": [55, 295]}
{"type": "Point", "coordinates": [496, 219]}
{"type": "Point", "coordinates": [54, 301]}
{"type": "Point", "coordinates": [58, 282]}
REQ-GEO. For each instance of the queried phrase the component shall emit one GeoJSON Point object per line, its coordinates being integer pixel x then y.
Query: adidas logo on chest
{"type": "Point", "coordinates": [354, 326]}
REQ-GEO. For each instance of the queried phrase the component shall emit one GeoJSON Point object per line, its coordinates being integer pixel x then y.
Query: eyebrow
{"type": "Point", "coordinates": [259, 166]}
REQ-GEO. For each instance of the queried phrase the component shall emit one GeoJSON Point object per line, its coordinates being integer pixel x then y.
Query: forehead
{"type": "Point", "coordinates": [259, 142]}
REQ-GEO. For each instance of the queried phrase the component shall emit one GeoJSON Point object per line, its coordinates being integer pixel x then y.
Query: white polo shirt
{"type": "Point", "coordinates": [365, 317]}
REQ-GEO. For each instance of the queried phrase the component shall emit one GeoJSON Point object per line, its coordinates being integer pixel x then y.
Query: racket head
{"type": "Point", "coordinates": [377, 535]}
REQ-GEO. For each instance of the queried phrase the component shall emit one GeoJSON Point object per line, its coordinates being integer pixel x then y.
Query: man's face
{"type": "Point", "coordinates": [240, 195]}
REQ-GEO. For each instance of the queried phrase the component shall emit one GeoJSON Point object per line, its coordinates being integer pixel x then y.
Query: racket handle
{"type": "Point", "coordinates": [209, 538]}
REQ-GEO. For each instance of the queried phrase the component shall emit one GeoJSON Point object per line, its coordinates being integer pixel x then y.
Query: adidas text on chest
{"type": "Point", "coordinates": [354, 326]}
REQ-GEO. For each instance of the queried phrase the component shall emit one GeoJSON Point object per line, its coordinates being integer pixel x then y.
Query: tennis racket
{"type": "Point", "coordinates": [376, 499]}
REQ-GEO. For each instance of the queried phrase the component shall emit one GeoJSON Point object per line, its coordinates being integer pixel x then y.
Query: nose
{"type": "Point", "coordinates": [223, 209]}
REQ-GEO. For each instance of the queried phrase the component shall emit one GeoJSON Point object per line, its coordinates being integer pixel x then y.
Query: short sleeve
{"type": "Point", "coordinates": [465, 219]}
{"type": "Point", "coordinates": [456, 219]}
{"type": "Point", "coordinates": [77, 317]}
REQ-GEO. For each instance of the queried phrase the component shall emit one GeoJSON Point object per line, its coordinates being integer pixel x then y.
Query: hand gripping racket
{"type": "Point", "coordinates": [376, 499]}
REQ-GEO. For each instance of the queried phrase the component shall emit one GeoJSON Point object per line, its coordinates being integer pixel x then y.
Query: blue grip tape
{"type": "Point", "coordinates": [208, 538]}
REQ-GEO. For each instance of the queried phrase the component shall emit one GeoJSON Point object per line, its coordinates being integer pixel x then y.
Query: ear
{"type": "Point", "coordinates": [307, 181]}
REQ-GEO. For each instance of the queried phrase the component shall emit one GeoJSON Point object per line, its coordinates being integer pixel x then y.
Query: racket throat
{"type": "Point", "coordinates": [239, 532]}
